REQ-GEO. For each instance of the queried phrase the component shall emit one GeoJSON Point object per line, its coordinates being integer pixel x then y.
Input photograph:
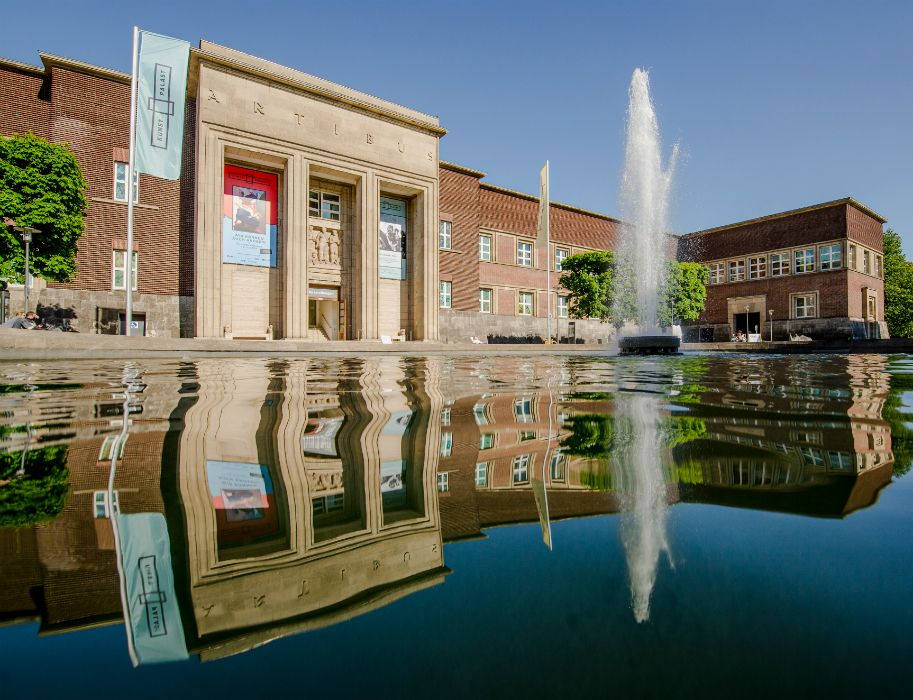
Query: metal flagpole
{"type": "Point", "coordinates": [548, 259]}
{"type": "Point", "coordinates": [128, 255]}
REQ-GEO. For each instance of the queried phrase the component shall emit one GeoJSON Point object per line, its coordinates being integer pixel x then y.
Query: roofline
{"type": "Point", "coordinates": [792, 212]}
{"type": "Point", "coordinates": [317, 86]}
{"type": "Point", "coordinates": [22, 67]}
{"type": "Point", "coordinates": [50, 60]}
{"type": "Point", "coordinates": [461, 169]}
{"type": "Point", "coordinates": [561, 205]}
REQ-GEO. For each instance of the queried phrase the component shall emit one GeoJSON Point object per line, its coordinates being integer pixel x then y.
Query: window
{"type": "Point", "coordinates": [324, 205]}
{"type": "Point", "coordinates": [445, 416]}
{"type": "Point", "coordinates": [484, 247]}
{"type": "Point", "coordinates": [812, 456]}
{"type": "Point", "coordinates": [443, 482]}
{"type": "Point", "coordinates": [100, 503]}
{"type": "Point", "coordinates": [556, 467]}
{"type": "Point", "coordinates": [525, 303]}
{"type": "Point", "coordinates": [804, 260]}
{"type": "Point", "coordinates": [524, 254]}
{"type": "Point", "coordinates": [446, 444]}
{"type": "Point", "coordinates": [120, 271]}
{"type": "Point", "coordinates": [446, 294]}
{"type": "Point", "coordinates": [851, 256]}
{"type": "Point", "coordinates": [872, 308]}
{"type": "Point", "coordinates": [526, 435]}
{"type": "Point", "coordinates": [521, 469]}
{"type": "Point", "coordinates": [482, 474]}
{"type": "Point", "coordinates": [480, 413]}
{"type": "Point", "coordinates": [830, 257]}
{"type": "Point", "coordinates": [716, 273]}
{"type": "Point", "coordinates": [736, 270]}
{"type": "Point", "coordinates": [560, 257]}
{"type": "Point", "coordinates": [106, 453]}
{"type": "Point", "coordinates": [805, 305]}
{"type": "Point", "coordinates": [562, 307]}
{"type": "Point", "coordinates": [879, 266]}
{"type": "Point", "coordinates": [840, 460]}
{"type": "Point", "coordinates": [523, 410]}
{"type": "Point", "coordinates": [757, 267]}
{"type": "Point", "coordinates": [120, 183]}
{"type": "Point", "coordinates": [486, 441]}
{"type": "Point", "coordinates": [485, 301]}
{"type": "Point", "coordinates": [866, 262]}
{"type": "Point", "coordinates": [779, 264]}
{"type": "Point", "coordinates": [446, 235]}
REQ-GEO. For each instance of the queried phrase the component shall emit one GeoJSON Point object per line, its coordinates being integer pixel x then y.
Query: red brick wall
{"type": "Point", "coordinates": [863, 228]}
{"type": "Point", "coordinates": [23, 103]}
{"type": "Point", "coordinates": [856, 282]}
{"type": "Point", "coordinates": [459, 202]}
{"type": "Point", "coordinates": [782, 232]}
{"type": "Point", "coordinates": [92, 114]}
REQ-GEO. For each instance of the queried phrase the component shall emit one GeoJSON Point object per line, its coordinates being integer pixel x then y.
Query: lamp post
{"type": "Point", "coordinates": [26, 233]}
{"type": "Point", "coordinates": [747, 328]}
{"type": "Point", "coordinates": [770, 313]}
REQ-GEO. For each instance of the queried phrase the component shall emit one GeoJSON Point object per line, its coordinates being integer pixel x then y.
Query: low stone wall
{"type": "Point", "coordinates": [166, 316]}
{"type": "Point", "coordinates": [460, 326]}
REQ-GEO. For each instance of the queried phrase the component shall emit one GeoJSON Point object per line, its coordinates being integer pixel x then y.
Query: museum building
{"type": "Point", "coordinates": [308, 210]}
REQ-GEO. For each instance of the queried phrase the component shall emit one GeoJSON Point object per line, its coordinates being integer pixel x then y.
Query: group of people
{"type": "Point", "coordinates": [27, 321]}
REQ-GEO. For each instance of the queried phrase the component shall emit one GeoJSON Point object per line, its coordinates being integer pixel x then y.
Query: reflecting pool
{"type": "Point", "coordinates": [457, 526]}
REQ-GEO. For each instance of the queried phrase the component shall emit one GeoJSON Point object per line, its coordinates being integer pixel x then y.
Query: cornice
{"type": "Point", "coordinates": [50, 60]}
{"type": "Point", "coordinates": [21, 67]}
{"type": "Point", "coordinates": [461, 169]}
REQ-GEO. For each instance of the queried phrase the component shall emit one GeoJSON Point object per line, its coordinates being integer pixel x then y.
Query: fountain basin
{"type": "Point", "coordinates": [649, 344]}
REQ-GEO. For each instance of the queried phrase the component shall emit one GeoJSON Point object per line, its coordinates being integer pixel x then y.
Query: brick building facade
{"type": "Point", "coordinates": [815, 271]}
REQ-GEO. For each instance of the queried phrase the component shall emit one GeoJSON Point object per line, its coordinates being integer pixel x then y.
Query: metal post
{"type": "Point", "coordinates": [131, 173]}
{"type": "Point", "coordinates": [770, 314]}
{"type": "Point", "coordinates": [548, 256]}
{"type": "Point", "coordinates": [25, 287]}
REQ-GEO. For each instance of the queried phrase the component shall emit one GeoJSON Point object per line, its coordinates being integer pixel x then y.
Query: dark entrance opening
{"type": "Point", "coordinates": [748, 323]}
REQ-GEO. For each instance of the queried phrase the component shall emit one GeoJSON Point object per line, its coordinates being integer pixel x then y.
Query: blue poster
{"type": "Point", "coordinates": [391, 239]}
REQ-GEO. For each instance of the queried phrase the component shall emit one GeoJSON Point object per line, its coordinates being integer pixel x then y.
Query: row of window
{"type": "Point", "coordinates": [519, 471]}
{"type": "Point", "coordinates": [524, 251]}
{"type": "Point", "coordinates": [525, 301]}
{"type": "Point", "coordinates": [799, 261]}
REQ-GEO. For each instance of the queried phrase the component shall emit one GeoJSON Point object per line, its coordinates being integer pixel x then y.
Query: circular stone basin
{"type": "Point", "coordinates": [649, 344]}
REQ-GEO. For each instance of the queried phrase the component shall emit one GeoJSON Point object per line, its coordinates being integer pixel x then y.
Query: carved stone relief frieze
{"type": "Point", "coordinates": [324, 246]}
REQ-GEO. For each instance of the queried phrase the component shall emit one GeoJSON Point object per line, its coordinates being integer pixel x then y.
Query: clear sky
{"type": "Point", "coordinates": [776, 105]}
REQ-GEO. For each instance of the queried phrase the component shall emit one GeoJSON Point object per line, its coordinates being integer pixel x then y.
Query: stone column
{"type": "Point", "coordinates": [296, 247]}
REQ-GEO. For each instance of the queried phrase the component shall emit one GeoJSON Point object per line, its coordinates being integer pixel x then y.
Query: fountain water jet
{"type": "Point", "coordinates": [645, 188]}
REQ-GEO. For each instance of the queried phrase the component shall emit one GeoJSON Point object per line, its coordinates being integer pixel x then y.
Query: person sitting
{"type": "Point", "coordinates": [25, 321]}
{"type": "Point", "coordinates": [740, 337]}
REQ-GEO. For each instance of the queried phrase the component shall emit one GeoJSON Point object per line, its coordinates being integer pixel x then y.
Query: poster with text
{"type": "Point", "coordinates": [249, 217]}
{"type": "Point", "coordinates": [242, 491]}
{"type": "Point", "coordinates": [391, 239]}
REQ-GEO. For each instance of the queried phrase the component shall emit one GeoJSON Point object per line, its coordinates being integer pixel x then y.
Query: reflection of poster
{"type": "Point", "coordinates": [240, 490]}
{"type": "Point", "coordinates": [249, 217]}
{"type": "Point", "coordinates": [320, 436]}
{"type": "Point", "coordinates": [392, 474]}
{"type": "Point", "coordinates": [391, 239]}
{"type": "Point", "coordinates": [398, 423]}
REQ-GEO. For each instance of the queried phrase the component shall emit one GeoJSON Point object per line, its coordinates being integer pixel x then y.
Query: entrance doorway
{"type": "Point", "coordinates": [748, 323]}
{"type": "Point", "coordinates": [326, 313]}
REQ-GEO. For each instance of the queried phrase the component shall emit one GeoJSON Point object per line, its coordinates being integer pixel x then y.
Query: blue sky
{"type": "Point", "coordinates": [776, 105]}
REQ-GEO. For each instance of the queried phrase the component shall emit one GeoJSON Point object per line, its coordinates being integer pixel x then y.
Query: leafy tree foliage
{"type": "Point", "coordinates": [900, 422]}
{"type": "Point", "coordinates": [599, 289]}
{"type": "Point", "coordinates": [41, 186]}
{"type": "Point", "coordinates": [898, 287]}
{"type": "Point", "coordinates": [38, 494]}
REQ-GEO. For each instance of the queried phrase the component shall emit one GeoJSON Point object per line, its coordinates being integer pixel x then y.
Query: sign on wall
{"type": "Point", "coordinates": [250, 217]}
{"type": "Point", "coordinates": [391, 239]}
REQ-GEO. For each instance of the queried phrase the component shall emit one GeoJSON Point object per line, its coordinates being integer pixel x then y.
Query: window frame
{"type": "Point", "coordinates": [784, 263]}
{"type": "Point", "coordinates": [561, 254]}
{"type": "Point", "coordinates": [806, 266]}
{"type": "Point", "coordinates": [482, 256]}
{"type": "Point", "coordinates": [559, 311]}
{"type": "Point", "coordinates": [793, 308]}
{"type": "Point", "coordinates": [521, 305]}
{"type": "Point", "coordinates": [483, 472]}
{"type": "Point", "coordinates": [122, 268]}
{"type": "Point", "coordinates": [320, 208]}
{"type": "Point", "coordinates": [445, 295]}
{"type": "Point", "coordinates": [448, 225]}
{"type": "Point", "coordinates": [828, 262]}
{"type": "Point", "coordinates": [717, 273]}
{"type": "Point", "coordinates": [486, 441]}
{"type": "Point", "coordinates": [443, 482]}
{"type": "Point", "coordinates": [446, 443]}
{"type": "Point", "coordinates": [520, 468]}
{"type": "Point", "coordinates": [757, 267]}
{"type": "Point", "coordinates": [733, 269]}
{"type": "Point", "coordinates": [124, 181]}
{"type": "Point", "coordinates": [524, 252]}
{"type": "Point", "coordinates": [482, 309]}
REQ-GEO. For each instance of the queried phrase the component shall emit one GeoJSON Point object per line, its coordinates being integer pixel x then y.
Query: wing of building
{"type": "Point", "coordinates": [308, 210]}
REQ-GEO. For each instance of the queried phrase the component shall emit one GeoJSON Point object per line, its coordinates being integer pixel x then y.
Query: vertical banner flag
{"type": "Point", "coordinates": [152, 608]}
{"type": "Point", "coordinates": [542, 234]}
{"type": "Point", "coordinates": [162, 85]}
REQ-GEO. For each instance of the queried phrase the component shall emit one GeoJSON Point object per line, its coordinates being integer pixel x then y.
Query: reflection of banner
{"type": "Point", "coordinates": [398, 423]}
{"type": "Point", "coordinates": [541, 497]}
{"type": "Point", "coordinates": [391, 239]}
{"type": "Point", "coordinates": [249, 217]}
{"type": "Point", "coordinates": [392, 474]}
{"type": "Point", "coordinates": [240, 490]}
{"type": "Point", "coordinates": [161, 90]}
{"type": "Point", "coordinates": [152, 609]}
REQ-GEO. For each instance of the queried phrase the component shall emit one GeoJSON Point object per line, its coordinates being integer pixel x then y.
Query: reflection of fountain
{"type": "Point", "coordinates": [637, 457]}
{"type": "Point", "coordinates": [640, 273]}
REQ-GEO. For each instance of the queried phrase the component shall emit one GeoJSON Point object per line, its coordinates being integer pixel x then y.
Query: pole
{"type": "Point", "coordinates": [25, 287]}
{"type": "Point", "coordinates": [548, 258]}
{"type": "Point", "coordinates": [128, 255]}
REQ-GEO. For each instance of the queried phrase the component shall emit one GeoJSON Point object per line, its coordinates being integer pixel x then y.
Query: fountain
{"type": "Point", "coordinates": [642, 255]}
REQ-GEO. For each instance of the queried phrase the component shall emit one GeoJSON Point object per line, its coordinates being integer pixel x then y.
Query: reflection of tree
{"type": "Point", "coordinates": [590, 435]}
{"type": "Point", "coordinates": [901, 432]}
{"type": "Point", "coordinates": [39, 492]}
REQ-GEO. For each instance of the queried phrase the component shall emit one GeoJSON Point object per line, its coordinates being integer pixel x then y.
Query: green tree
{"type": "Point", "coordinates": [898, 287]}
{"type": "Point", "coordinates": [41, 186]}
{"type": "Point", "coordinates": [38, 493]}
{"type": "Point", "coordinates": [598, 289]}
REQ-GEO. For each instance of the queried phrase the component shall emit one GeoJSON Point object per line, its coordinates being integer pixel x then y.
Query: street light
{"type": "Point", "coordinates": [770, 312]}
{"type": "Point", "coordinates": [26, 232]}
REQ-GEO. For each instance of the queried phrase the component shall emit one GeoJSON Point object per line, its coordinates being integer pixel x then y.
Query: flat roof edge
{"type": "Point", "coordinates": [50, 60]}
{"type": "Point", "coordinates": [22, 67]}
{"type": "Point", "coordinates": [553, 203]}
